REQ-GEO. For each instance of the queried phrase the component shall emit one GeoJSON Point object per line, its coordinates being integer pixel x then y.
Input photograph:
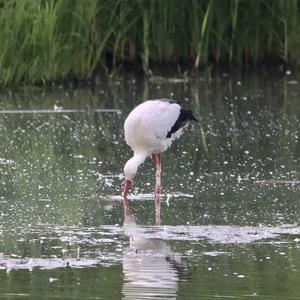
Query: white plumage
{"type": "Point", "coordinates": [150, 129]}
{"type": "Point", "coordinates": [147, 126]}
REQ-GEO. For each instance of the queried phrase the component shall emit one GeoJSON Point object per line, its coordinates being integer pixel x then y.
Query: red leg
{"type": "Point", "coordinates": [126, 209]}
{"type": "Point", "coordinates": [157, 158]}
{"type": "Point", "coordinates": [157, 209]}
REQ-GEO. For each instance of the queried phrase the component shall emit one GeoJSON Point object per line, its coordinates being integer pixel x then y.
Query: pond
{"type": "Point", "coordinates": [230, 193]}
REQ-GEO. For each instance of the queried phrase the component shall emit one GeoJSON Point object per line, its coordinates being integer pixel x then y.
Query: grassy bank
{"type": "Point", "coordinates": [48, 40]}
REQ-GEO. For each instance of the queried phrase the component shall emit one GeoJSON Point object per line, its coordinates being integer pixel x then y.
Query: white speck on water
{"type": "Point", "coordinates": [57, 108]}
{"type": "Point", "coordinates": [292, 82]}
{"type": "Point", "coordinates": [52, 279]}
{"type": "Point", "coordinates": [168, 198]}
{"type": "Point", "coordinates": [108, 181]}
{"type": "Point", "coordinates": [4, 161]}
{"type": "Point", "coordinates": [45, 200]}
{"type": "Point", "coordinates": [215, 253]}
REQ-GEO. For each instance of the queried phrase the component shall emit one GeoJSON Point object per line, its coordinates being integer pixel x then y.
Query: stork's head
{"type": "Point", "coordinates": [130, 170]}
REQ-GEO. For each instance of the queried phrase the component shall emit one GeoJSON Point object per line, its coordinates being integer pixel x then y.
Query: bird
{"type": "Point", "coordinates": [150, 129]}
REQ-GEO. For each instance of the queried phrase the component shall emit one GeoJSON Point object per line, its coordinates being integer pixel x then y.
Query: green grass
{"type": "Point", "coordinates": [49, 40]}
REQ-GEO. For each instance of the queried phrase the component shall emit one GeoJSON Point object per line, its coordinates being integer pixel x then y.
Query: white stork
{"type": "Point", "coordinates": [150, 129]}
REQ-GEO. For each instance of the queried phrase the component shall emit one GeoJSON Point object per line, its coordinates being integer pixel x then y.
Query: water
{"type": "Point", "coordinates": [230, 205]}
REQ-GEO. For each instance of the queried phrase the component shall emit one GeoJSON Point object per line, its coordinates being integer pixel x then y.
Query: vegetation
{"type": "Point", "coordinates": [48, 40]}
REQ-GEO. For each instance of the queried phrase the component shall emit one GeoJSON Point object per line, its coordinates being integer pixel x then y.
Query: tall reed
{"type": "Point", "coordinates": [48, 40]}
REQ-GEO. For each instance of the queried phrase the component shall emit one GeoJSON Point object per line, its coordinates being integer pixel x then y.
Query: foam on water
{"type": "Point", "coordinates": [144, 197]}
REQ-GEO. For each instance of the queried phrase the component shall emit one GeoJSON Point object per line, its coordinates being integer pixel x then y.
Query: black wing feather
{"type": "Point", "coordinates": [184, 117]}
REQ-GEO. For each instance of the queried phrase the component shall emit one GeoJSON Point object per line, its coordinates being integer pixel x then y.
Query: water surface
{"type": "Point", "coordinates": [230, 204]}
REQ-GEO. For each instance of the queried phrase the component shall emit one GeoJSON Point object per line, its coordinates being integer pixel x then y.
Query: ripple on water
{"type": "Point", "coordinates": [77, 246]}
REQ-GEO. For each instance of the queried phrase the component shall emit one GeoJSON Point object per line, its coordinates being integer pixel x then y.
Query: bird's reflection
{"type": "Point", "coordinates": [151, 270]}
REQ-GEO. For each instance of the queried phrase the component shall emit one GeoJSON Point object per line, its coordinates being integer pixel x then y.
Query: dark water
{"type": "Point", "coordinates": [230, 204]}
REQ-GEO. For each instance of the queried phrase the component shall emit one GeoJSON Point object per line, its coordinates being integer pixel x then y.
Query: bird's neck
{"type": "Point", "coordinates": [138, 158]}
{"type": "Point", "coordinates": [133, 163]}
